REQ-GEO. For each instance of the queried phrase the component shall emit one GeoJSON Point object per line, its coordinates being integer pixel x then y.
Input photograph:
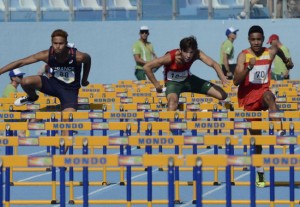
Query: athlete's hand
{"type": "Point", "coordinates": [252, 62]}
{"type": "Point", "coordinates": [85, 82]}
{"type": "Point", "coordinates": [225, 81]}
{"type": "Point", "coordinates": [289, 64]}
{"type": "Point", "coordinates": [159, 88]}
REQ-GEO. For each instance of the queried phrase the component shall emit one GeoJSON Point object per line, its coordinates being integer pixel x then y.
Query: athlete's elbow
{"type": "Point", "coordinates": [236, 82]}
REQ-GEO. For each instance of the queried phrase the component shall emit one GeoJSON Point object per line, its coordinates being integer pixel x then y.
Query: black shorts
{"type": "Point", "coordinates": [67, 96]}
{"type": "Point", "coordinates": [192, 84]}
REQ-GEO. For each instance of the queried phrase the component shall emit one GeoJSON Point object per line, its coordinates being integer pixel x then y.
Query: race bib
{"type": "Point", "coordinates": [177, 76]}
{"type": "Point", "coordinates": [65, 76]}
{"type": "Point", "coordinates": [259, 75]}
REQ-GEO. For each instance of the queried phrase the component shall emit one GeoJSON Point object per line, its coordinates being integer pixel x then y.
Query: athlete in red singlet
{"type": "Point", "coordinates": [252, 75]}
{"type": "Point", "coordinates": [178, 77]}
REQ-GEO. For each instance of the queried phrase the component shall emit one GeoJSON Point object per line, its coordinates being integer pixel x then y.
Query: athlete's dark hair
{"type": "Point", "coordinates": [188, 42]}
{"type": "Point", "coordinates": [255, 29]}
{"type": "Point", "coordinates": [60, 33]}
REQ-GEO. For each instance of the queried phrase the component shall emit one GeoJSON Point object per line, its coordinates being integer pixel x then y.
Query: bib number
{"type": "Point", "coordinates": [65, 76]}
{"type": "Point", "coordinates": [177, 76]}
{"type": "Point", "coordinates": [258, 76]}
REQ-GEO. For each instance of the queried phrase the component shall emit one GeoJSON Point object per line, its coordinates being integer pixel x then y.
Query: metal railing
{"type": "Point", "coordinates": [44, 10]}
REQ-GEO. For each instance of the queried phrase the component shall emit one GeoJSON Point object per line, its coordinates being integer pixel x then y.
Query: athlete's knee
{"type": "Point", "coordinates": [268, 97]}
{"type": "Point", "coordinates": [258, 149]}
{"type": "Point", "coordinates": [172, 105]}
{"type": "Point", "coordinates": [224, 95]}
{"type": "Point", "coordinates": [26, 81]}
{"type": "Point", "coordinates": [30, 81]}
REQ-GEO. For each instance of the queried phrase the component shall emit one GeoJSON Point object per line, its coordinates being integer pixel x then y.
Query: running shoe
{"type": "Point", "coordinates": [25, 100]}
{"type": "Point", "coordinates": [260, 180]}
{"type": "Point", "coordinates": [281, 133]}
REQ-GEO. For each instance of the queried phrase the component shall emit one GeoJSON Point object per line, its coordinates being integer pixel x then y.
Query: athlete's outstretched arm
{"type": "Point", "coordinates": [240, 71]}
{"type": "Point", "coordinates": [156, 63]}
{"type": "Point", "coordinates": [86, 60]}
{"type": "Point", "coordinates": [213, 64]}
{"type": "Point", "coordinates": [40, 56]}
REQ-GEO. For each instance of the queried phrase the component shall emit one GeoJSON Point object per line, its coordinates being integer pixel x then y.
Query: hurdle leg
{"type": "Point", "coordinates": [178, 150]}
{"type": "Point", "coordinates": [53, 183]}
{"type": "Point", "coordinates": [171, 183]}
{"type": "Point", "coordinates": [1, 182]}
{"type": "Point", "coordinates": [122, 179]}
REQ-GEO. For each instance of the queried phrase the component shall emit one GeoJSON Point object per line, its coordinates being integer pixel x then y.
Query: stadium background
{"type": "Point", "coordinates": [109, 43]}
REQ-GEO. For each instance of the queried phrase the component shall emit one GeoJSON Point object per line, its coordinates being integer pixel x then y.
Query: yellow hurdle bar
{"type": "Point", "coordinates": [105, 100]}
{"type": "Point", "coordinates": [276, 160]}
{"type": "Point", "coordinates": [67, 125]}
{"type": "Point", "coordinates": [248, 114]}
{"type": "Point", "coordinates": [154, 126]}
{"type": "Point", "coordinates": [199, 125]}
{"type": "Point", "coordinates": [9, 141]}
{"type": "Point", "coordinates": [123, 126]}
{"type": "Point", "coordinates": [10, 115]}
{"type": "Point", "coordinates": [259, 139]}
{"type": "Point", "coordinates": [156, 140]}
{"type": "Point", "coordinates": [293, 99]}
{"type": "Point", "coordinates": [171, 114]}
{"type": "Point", "coordinates": [86, 160]}
{"type": "Point", "coordinates": [149, 160]}
{"type": "Point", "coordinates": [198, 115]}
{"type": "Point", "coordinates": [47, 115]}
{"type": "Point", "coordinates": [41, 100]}
{"type": "Point", "coordinates": [124, 115]}
{"type": "Point", "coordinates": [54, 140]}
{"type": "Point", "coordinates": [93, 140]}
{"type": "Point", "coordinates": [199, 99]}
{"type": "Point", "coordinates": [220, 140]}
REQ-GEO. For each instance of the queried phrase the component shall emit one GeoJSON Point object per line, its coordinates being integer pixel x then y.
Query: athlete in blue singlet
{"type": "Point", "coordinates": [65, 81]}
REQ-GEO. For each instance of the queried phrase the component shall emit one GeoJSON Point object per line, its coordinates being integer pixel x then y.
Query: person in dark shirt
{"type": "Point", "coordinates": [65, 82]}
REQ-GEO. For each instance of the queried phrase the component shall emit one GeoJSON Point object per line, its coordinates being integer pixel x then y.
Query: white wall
{"type": "Point", "coordinates": [109, 43]}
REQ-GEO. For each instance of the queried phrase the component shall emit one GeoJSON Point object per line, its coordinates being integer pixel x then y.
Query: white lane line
{"type": "Point", "coordinates": [33, 177]}
{"type": "Point", "coordinates": [216, 189]}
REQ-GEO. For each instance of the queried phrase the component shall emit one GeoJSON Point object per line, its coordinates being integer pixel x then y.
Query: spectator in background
{"type": "Point", "coordinates": [293, 9]}
{"type": "Point", "coordinates": [143, 52]}
{"type": "Point", "coordinates": [16, 77]}
{"type": "Point", "coordinates": [279, 69]}
{"type": "Point", "coordinates": [227, 53]}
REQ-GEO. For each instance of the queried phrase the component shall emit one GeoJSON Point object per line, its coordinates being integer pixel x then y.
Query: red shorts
{"type": "Point", "coordinates": [256, 106]}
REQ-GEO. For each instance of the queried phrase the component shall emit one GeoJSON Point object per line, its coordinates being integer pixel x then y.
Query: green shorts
{"type": "Point", "coordinates": [140, 74]}
{"type": "Point", "coordinates": [192, 84]}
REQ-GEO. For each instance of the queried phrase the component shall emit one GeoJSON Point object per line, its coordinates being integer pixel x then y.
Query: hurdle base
{"type": "Point", "coordinates": [48, 169]}
{"type": "Point", "coordinates": [178, 202]}
{"type": "Point", "coordinates": [216, 183]}
{"type": "Point", "coordinates": [72, 202]}
{"type": "Point", "coordinates": [208, 147]}
{"type": "Point", "coordinates": [245, 169]}
{"type": "Point", "coordinates": [220, 147]}
{"type": "Point", "coordinates": [80, 183]}
{"type": "Point", "coordinates": [11, 183]}
{"type": "Point", "coordinates": [145, 169]}
{"type": "Point", "coordinates": [160, 169]}
{"type": "Point", "coordinates": [138, 147]}
{"type": "Point", "coordinates": [54, 202]}
{"type": "Point", "coordinates": [194, 201]}
{"type": "Point", "coordinates": [232, 183]}
{"type": "Point", "coordinates": [105, 183]}
{"type": "Point", "coordinates": [122, 183]}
